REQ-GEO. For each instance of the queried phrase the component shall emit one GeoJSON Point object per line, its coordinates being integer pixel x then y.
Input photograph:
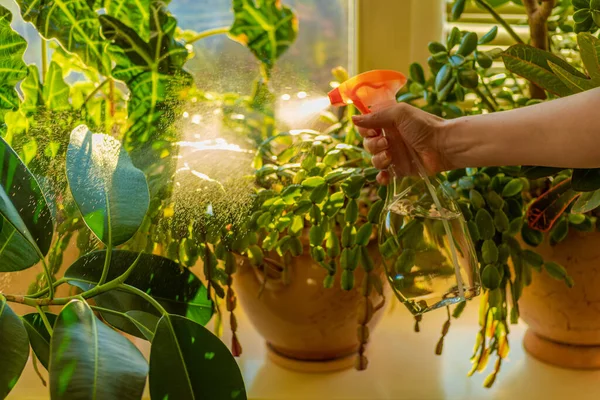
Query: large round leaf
{"type": "Point", "coordinates": [176, 288]}
{"type": "Point", "coordinates": [89, 360]}
{"type": "Point", "coordinates": [110, 192]}
{"type": "Point", "coordinates": [27, 228]}
{"type": "Point", "coordinates": [14, 348]}
{"type": "Point", "coordinates": [188, 362]}
{"type": "Point", "coordinates": [39, 337]}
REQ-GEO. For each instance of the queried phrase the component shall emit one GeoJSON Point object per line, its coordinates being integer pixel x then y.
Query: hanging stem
{"type": "Point", "coordinates": [207, 33]}
{"type": "Point", "coordinates": [484, 4]}
{"type": "Point", "coordinates": [44, 59]}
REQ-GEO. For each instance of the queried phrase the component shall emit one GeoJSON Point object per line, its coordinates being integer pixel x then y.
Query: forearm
{"type": "Point", "coordinates": [559, 133]}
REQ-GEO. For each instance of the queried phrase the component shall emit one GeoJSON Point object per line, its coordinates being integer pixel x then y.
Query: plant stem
{"type": "Point", "coordinates": [106, 259]}
{"type": "Point", "coordinates": [93, 92]}
{"type": "Point", "coordinates": [538, 28]}
{"type": "Point", "coordinates": [485, 100]}
{"type": "Point", "coordinates": [145, 296]}
{"type": "Point", "coordinates": [500, 20]}
{"type": "Point", "coordinates": [45, 319]}
{"type": "Point", "coordinates": [489, 90]}
{"type": "Point", "coordinates": [46, 290]}
{"type": "Point", "coordinates": [44, 59]}
{"type": "Point", "coordinates": [209, 32]}
{"type": "Point", "coordinates": [95, 291]}
{"type": "Point", "coordinates": [49, 278]}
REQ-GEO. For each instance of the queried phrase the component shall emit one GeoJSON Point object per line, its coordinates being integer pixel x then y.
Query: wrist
{"type": "Point", "coordinates": [460, 145]}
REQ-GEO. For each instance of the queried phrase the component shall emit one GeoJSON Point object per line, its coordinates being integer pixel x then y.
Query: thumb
{"type": "Point", "coordinates": [384, 119]}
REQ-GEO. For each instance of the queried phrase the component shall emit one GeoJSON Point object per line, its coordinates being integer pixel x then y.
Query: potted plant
{"type": "Point", "coordinates": [511, 210]}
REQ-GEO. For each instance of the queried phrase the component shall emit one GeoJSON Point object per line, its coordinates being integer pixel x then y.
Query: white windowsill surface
{"type": "Point", "coordinates": [402, 366]}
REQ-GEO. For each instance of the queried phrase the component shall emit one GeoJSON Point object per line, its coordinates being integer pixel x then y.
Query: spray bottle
{"type": "Point", "coordinates": [427, 250]}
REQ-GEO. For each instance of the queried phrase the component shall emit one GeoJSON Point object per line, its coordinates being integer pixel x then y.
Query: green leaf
{"type": "Point", "coordinates": [375, 211]}
{"type": "Point", "coordinates": [587, 202]}
{"type": "Point", "coordinates": [458, 8]}
{"type": "Point", "coordinates": [39, 337]}
{"type": "Point", "coordinates": [512, 188]}
{"type": "Point", "coordinates": [55, 92]}
{"type": "Point", "coordinates": [90, 360]}
{"type": "Point", "coordinates": [353, 185]}
{"type": "Point", "coordinates": [533, 259]}
{"type": "Point", "coordinates": [188, 362]}
{"type": "Point", "coordinates": [364, 234]}
{"type": "Point", "coordinates": [489, 251]}
{"type": "Point", "coordinates": [27, 229]}
{"type": "Point", "coordinates": [73, 23]}
{"type": "Point", "coordinates": [110, 192]}
{"type": "Point", "coordinates": [490, 277]}
{"type": "Point", "coordinates": [558, 272]}
{"type": "Point", "coordinates": [133, 13]}
{"type": "Point", "coordinates": [586, 180]}
{"type": "Point", "coordinates": [490, 36]}
{"type": "Point", "coordinates": [153, 72]}
{"type": "Point", "coordinates": [145, 322]}
{"type": "Point", "coordinates": [267, 28]}
{"type": "Point", "coordinates": [485, 224]}
{"type": "Point", "coordinates": [313, 182]}
{"type": "Point", "coordinates": [184, 295]}
{"type": "Point", "coordinates": [14, 348]}
{"type": "Point", "coordinates": [32, 91]}
{"type": "Point", "coordinates": [539, 172]}
{"type": "Point", "coordinates": [468, 44]}
{"type": "Point", "coordinates": [12, 66]}
{"type": "Point", "coordinates": [533, 65]}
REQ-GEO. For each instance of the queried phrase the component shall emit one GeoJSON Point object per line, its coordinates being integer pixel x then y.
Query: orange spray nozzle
{"type": "Point", "coordinates": [369, 90]}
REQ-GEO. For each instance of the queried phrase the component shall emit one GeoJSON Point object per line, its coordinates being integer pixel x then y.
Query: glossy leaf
{"type": "Point", "coordinates": [539, 172]}
{"type": "Point", "coordinates": [547, 208]}
{"type": "Point", "coordinates": [586, 180]}
{"type": "Point", "coordinates": [110, 192]}
{"type": "Point", "coordinates": [267, 27]}
{"type": "Point", "coordinates": [39, 337]}
{"type": "Point", "coordinates": [175, 288]}
{"type": "Point", "coordinates": [27, 229]}
{"type": "Point", "coordinates": [14, 348]}
{"type": "Point", "coordinates": [89, 360]}
{"type": "Point", "coordinates": [587, 202]}
{"type": "Point", "coordinates": [12, 66]}
{"type": "Point", "coordinates": [533, 65]}
{"type": "Point", "coordinates": [145, 322]}
{"type": "Point", "coordinates": [73, 23]}
{"type": "Point", "coordinates": [188, 362]}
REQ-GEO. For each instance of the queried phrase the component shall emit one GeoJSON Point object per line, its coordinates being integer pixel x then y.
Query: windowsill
{"type": "Point", "coordinates": [402, 366]}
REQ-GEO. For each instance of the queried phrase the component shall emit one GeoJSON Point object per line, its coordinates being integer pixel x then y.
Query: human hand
{"type": "Point", "coordinates": [405, 127]}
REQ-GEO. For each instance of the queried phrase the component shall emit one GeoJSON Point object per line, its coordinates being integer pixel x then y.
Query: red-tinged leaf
{"type": "Point", "coordinates": [547, 208]}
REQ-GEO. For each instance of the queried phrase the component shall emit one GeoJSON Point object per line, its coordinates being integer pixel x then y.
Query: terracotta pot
{"type": "Point", "coordinates": [564, 324]}
{"type": "Point", "coordinates": [306, 326]}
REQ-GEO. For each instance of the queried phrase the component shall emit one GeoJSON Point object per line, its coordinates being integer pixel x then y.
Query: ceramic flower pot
{"type": "Point", "coordinates": [307, 327]}
{"type": "Point", "coordinates": [564, 324]}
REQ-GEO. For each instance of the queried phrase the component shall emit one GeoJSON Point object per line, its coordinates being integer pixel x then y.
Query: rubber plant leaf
{"type": "Point", "coordinates": [13, 68]}
{"type": "Point", "coordinates": [14, 348]}
{"type": "Point", "coordinates": [184, 295]}
{"type": "Point", "coordinates": [267, 27]}
{"type": "Point", "coordinates": [39, 337]}
{"type": "Point", "coordinates": [89, 360]}
{"type": "Point", "coordinates": [27, 226]}
{"type": "Point", "coordinates": [548, 207]}
{"type": "Point", "coordinates": [110, 192]}
{"type": "Point", "coordinates": [587, 202]}
{"type": "Point", "coordinates": [586, 180]}
{"type": "Point", "coordinates": [188, 362]}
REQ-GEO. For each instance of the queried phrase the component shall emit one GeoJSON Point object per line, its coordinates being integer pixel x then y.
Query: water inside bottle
{"type": "Point", "coordinates": [417, 252]}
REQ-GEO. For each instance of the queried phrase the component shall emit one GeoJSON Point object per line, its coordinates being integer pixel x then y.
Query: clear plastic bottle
{"type": "Point", "coordinates": [427, 250]}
